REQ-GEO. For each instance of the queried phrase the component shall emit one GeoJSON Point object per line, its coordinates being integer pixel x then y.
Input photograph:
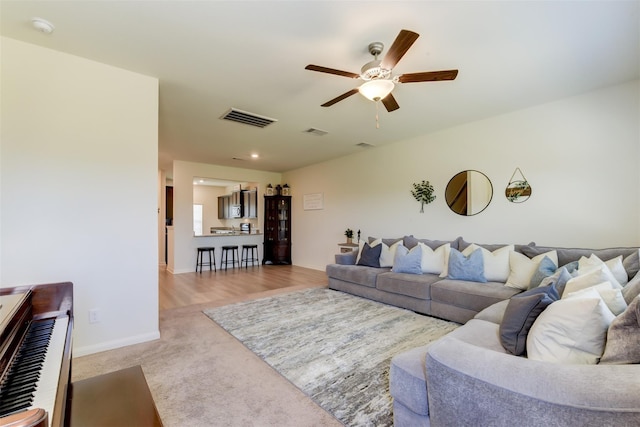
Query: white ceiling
{"type": "Point", "coordinates": [210, 56]}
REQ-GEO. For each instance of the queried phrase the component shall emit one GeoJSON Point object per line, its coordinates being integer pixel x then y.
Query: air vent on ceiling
{"type": "Point", "coordinates": [318, 132]}
{"type": "Point", "coordinates": [364, 145]}
{"type": "Point", "coordinates": [247, 118]}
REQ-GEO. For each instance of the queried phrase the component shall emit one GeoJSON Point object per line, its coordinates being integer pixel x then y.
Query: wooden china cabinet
{"type": "Point", "coordinates": [277, 230]}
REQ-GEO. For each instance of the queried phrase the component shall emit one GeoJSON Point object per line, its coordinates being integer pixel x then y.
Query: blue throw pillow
{"type": "Point", "coordinates": [546, 268]}
{"type": "Point", "coordinates": [466, 268]}
{"type": "Point", "coordinates": [370, 256]}
{"type": "Point", "coordinates": [522, 310]}
{"type": "Point", "coordinates": [408, 261]}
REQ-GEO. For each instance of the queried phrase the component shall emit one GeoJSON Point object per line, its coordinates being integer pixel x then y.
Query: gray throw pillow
{"type": "Point", "coordinates": [623, 337]}
{"type": "Point", "coordinates": [521, 312]}
{"type": "Point", "coordinates": [631, 289]}
{"type": "Point", "coordinates": [370, 256]}
{"type": "Point", "coordinates": [410, 242]}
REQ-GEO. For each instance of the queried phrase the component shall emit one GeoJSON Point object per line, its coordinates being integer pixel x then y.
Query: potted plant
{"type": "Point", "coordinates": [349, 233]}
{"type": "Point", "coordinates": [423, 192]}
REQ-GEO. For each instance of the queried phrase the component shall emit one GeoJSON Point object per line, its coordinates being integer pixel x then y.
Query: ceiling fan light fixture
{"type": "Point", "coordinates": [375, 90]}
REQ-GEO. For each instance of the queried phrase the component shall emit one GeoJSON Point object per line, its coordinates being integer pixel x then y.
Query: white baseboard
{"type": "Point", "coordinates": [110, 345]}
{"type": "Point", "coordinates": [184, 270]}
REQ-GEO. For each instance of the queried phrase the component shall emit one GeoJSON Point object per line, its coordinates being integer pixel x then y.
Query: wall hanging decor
{"type": "Point", "coordinates": [518, 190]}
{"type": "Point", "coordinates": [423, 193]}
{"type": "Point", "coordinates": [468, 193]}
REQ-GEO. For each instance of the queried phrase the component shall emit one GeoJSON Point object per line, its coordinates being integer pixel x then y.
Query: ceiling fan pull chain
{"type": "Point", "coordinates": [377, 122]}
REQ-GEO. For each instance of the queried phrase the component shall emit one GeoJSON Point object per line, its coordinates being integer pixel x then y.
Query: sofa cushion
{"type": "Point", "coordinates": [388, 253]}
{"type": "Point", "coordinates": [469, 268]}
{"type": "Point", "coordinates": [631, 289]}
{"type": "Point", "coordinates": [358, 274]}
{"type": "Point", "coordinates": [434, 260]}
{"type": "Point", "coordinates": [407, 380]}
{"type": "Point", "coordinates": [494, 313]}
{"type": "Point", "coordinates": [412, 285]}
{"type": "Point", "coordinates": [496, 262]}
{"type": "Point", "coordinates": [407, 261]}
{"type": "Point", "coordinates": [522, 268]}
{"type": "Point", "coordinates": [521, 312]}
{"type": "Point", "coordinates": [370, 256]}
{"type": "Point", "coordinates": [614, 266]}
{"type": "Point", "coordinates": [630, 260]}
{"type": "Point", "coordinates": [612, 297]}
{"type": "Point", "coordinates": [623, 337]}
{"type": "Point", "coordinates": [463, 244]}
{"type": "Point", "coordinates": [545, 269]}
{"type": "Point", "coordinates": [470, 295]}
{"type": "Point", "coordinates": [410, 242]}
{"type": "Point", "coordinates": [591, 277]}
{"type": "Point", "coordinates": [570, 331]}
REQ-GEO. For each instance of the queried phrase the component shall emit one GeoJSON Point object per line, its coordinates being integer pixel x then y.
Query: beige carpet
{"type": "Point", "coordinates": [200, 375]}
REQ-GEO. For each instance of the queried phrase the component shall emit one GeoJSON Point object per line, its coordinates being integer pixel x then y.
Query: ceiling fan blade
{"type": "Point", "coordinates": [340, 98]}
{"type": "Point", "coordinates": [331, 71]}
{"type": "Point", "coordinates": [428, 76]}
{"type": "Point", "coordinates": [400, 46]}
{"type": "Point", "coordinates": [390, 103]}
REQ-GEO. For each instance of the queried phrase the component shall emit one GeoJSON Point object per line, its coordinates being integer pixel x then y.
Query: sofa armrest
{"type": "Point", "coordinates": [347, 258]}
{"type": "Point", "coordinates": [471, 385]}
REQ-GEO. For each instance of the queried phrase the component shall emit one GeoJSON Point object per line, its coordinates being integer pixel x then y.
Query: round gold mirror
{"type": "Point", "coordinates": [469, 193]}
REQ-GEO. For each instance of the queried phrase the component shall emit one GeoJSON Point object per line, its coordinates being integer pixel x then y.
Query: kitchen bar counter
{"type": "Point", "coordinates": [234, 233]}
{"type": "Point", "coordinates": [227, 239]}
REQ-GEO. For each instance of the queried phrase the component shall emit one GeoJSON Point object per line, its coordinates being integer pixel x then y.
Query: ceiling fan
{"type": "Point", "coordinates": [379, 81]}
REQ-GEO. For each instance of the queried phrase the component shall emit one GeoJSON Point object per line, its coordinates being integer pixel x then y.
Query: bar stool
{"type": "Point", "coordinates": [224, 260]}
{"type": "Point", "coordinates": [245, 255]}
{"type": "Point", "coordinates": [212, 258]}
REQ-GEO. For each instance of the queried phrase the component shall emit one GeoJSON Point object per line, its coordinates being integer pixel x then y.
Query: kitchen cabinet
{"type": "Point", "coordinates": [250, 204]}
{"type": "Point", "coordinates": [224, 203]}
{"type": "Point", "coordinates": [277, 230]}
{"type": "Point", "coordinates": [239, 204]}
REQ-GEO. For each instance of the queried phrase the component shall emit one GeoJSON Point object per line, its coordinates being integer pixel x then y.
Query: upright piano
{"type": "Point", "coordinates": [36, 324]}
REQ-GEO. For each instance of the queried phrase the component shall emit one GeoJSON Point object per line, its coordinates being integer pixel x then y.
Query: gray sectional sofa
{"type": "Point", "coordinates": [467, 378]}
{"type": "Point", "coordinates": [456, 300]}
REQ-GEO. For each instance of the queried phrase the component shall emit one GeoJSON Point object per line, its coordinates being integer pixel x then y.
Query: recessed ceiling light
{"type": "Point", "coordinates": [254, 156]}
{"type": "Point", "coordinates": [42, 25]}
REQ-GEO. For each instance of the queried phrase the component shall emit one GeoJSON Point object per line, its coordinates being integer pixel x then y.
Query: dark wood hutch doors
{"type": "Point", "coordinates": [277, 230]}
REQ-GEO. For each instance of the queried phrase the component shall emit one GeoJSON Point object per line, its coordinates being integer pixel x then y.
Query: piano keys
{"type": "Point", "coordinates": [35, 353]}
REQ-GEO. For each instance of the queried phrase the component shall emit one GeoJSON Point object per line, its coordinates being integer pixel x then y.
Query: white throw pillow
{"type": "Point", "coordinates": [496, 263]}
{"type": "Point", "coordinates": [434, 261]}
{"type": "Point", "coordinates": [614, 265]}
{"type": "Point", "coordinates": [522, 268]}
{"type": "Point", "coordinates": [612, 297]}
{"type": "Point", "coordinates": [388, 253]}
{"type": "Point", "coordinates": [571, 330]}
{"type": "Point", "coordinates": [591, 276]}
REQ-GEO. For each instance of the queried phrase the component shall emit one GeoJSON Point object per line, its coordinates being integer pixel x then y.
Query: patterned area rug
{"type": "Point", "coordinates": [333, 346]}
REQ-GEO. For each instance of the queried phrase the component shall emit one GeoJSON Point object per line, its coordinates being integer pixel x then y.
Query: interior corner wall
{"type": "Point", "coordinates": [185, 244]}
{"type": "Point", "coordinates": [79, 157]}
{"type": "Point", "coordinates": [580, 155]}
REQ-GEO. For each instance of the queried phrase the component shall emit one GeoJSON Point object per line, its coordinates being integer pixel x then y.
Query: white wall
{"type": "Point", "coordinates": [580, 155]}
{"type": "Point", "coordinates": [79, 188]}
{"type": "Point", "coordinates": [183, 172]}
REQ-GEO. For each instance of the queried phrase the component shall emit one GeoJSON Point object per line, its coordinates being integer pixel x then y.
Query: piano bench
{"type": "Point", "coordinates": [120, 398]}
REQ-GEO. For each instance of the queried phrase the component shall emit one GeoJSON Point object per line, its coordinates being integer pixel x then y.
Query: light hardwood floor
{"type": "Point", "coordinates": [181, 290]}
